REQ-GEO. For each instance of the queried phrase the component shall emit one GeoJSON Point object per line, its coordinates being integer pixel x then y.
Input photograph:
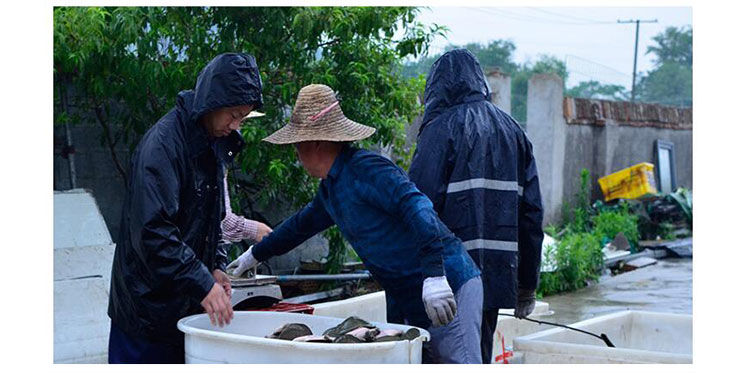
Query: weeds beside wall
{"type": "Point", "coordinates": [577, 258]}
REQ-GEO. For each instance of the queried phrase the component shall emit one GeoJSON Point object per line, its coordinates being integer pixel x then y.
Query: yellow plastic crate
{"type": "Point", "coordinates": [629, 183]}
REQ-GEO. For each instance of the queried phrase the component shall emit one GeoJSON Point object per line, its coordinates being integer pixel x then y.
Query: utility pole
{"type": "Point", "coordinates": [635, 58]}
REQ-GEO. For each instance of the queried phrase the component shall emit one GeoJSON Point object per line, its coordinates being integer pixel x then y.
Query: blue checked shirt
{"type": "Point", "coordinates": [387, 220]}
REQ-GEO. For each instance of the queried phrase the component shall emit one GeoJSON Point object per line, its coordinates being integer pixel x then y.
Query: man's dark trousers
{"type": "Point", "coordinates": [127, 349]}
{"type": "Point", "coordinates": [489, 322]}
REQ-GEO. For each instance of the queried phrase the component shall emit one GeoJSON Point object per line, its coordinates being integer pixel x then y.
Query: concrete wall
{"type": "Point", "coordinates": [83, 252]}
{"type": "Point", "coordinates": [570, 134]}
{"type": "Point", "coordinates": [547, 131]}
{"type": "Point", "coordinates": [95, 170]}
{"type": "Point", "coordinates": [500, 86]}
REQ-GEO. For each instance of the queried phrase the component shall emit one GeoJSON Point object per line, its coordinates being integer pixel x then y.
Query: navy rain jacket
{"type": "Point", "coordinates": [476, 165]}
{"type": "Point", "coordinates": [168, 244]}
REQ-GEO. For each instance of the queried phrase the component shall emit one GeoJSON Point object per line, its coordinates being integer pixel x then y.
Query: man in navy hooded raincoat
{"type": "Point", "coordinates": [477, 166]}
{"type": "Point", "coordinates": [168, 264]}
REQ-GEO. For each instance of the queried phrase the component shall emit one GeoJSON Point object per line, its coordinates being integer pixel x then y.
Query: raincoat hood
{"type": "Point", "coordinates": [455, 78]}
{"type": "Point", "coordinates": [230, 79]}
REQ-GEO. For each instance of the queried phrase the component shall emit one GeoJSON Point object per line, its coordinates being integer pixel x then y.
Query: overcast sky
{"type": "Point", "coordinates": [589, 39]}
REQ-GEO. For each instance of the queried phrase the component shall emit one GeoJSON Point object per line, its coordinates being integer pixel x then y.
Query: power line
{"type": "Point", "coordinates": [588, 20]}
{"type": "Point", "coordinates": [529, 18]}
{"type": "Point", "coordinates": [635, 57]}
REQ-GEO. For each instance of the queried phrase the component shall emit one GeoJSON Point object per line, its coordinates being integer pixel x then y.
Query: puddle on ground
{"type": "Point", "coordinates": [664, 287]}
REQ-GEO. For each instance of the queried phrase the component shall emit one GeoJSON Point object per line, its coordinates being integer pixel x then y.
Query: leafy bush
{"type": "Point", "coordinates": [577, 259]}
{"type": "Point", "coordinates": [609, 223]}
{"type": "Point", "coordinates": [582, 214]}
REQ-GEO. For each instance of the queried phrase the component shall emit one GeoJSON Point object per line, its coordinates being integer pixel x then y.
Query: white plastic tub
{"type": "Point", "coordinates": [509, 327]}
{"type": "Point", "coordinates": [243, 341]}
{"type": "Point", "coordinates": [638, 336]}
{"type": "Point", "coordinates": [370, 307]}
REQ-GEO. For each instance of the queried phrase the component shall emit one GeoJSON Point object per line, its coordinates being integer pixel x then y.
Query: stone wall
{"type": "Point", "coordinates": [570, 134]}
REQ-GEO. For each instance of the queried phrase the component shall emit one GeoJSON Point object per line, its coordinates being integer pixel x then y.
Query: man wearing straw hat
{"type": "Point", "coordinates": [429, 279]}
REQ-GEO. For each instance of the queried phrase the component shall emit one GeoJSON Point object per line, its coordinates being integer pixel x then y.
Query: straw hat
{"type": "Point", "coordinates": [317, 116]}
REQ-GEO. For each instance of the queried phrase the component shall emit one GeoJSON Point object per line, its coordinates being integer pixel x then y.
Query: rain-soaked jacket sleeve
{"type": "Point", "coordinates": [530, 234]}
{"type": "Point", "coordinates": [155, 236]}
{"type": "Point", "coordinates": [385, 185]}
{"type": "Point", "coordinates": [430, 168]}
{"type": "Point", "coordinates": [307, 222]}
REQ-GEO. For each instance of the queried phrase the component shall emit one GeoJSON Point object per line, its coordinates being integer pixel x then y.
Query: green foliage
{"type": "Point", "coordinates": [125, 66]}
{"type": "Point", "coordinates": [661, 216]}
{"type": "Point", "coordinates": [609, 223]}
{"type": "Point", "coordinates": [581, 219]}
{"type": "Point", "coordinates": [683, 197]}
{"type": "Point", "coordinates": [495, 54]}
{"type": "Point", "coordinates": [586, 227]}
{"type": "Point", "coordinates": [337, 250]}
{"type": "Point", "coordinates": [671, 82]}
{"type": "Point", "coordinates": [674, 45]}
{"type": "Point", "coordinates": [666, 231]}
{"type": "Point", "coordinates": [596, 90]}
{"type": "Point", "coordinates": [578, 259]}
{"type": "Point", "coordinates": [552, 230]}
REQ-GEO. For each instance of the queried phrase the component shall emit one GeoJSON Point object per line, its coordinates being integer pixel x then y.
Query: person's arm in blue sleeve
{"type": "Point", "coordinates": [157, 240]}
{"type": "Point", "coordinates": [295, 230]}
{"type": "Point", "coordinates": [431, 167]}
{"type": "Point", "coordinates": [388, 187]}
{"type": "Point", "coordinates": [530, 234]}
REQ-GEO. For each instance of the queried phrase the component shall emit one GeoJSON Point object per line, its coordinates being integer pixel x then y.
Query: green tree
{"type": "Point", "coordinates": [125, 66]}
{"type": "Point", "coordinates": [495, 54]}
{"type": "Point", "coordinates": [673, 45]}
{"type": "Point", "coordinates": [596, 90]}
{"type": "Point", "coordinates": [671, 81]}
{"type": "Point", "coordinates": [669, 84]}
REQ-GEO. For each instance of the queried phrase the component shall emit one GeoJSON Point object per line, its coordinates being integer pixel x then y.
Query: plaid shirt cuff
{"type": "Point", "coordinates": [236, 228]}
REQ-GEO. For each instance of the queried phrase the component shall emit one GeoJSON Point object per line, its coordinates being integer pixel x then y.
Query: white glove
{"type": "Point", "coordinates": [243, 263]}
{"type": "Point", "coordinates": [438, 300]}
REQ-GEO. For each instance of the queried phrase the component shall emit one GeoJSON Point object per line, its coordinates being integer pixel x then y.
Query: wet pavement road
{"type": "Point", "coordinates": [666, 286]}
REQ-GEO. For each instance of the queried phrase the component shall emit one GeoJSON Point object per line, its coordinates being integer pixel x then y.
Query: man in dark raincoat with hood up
{"type": "Point", "coordinates": [477, 166]}
{"type": "Point", "coordinates": [167, 263]}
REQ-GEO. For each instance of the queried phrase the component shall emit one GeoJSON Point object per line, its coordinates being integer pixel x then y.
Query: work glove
{"type": "Point", "coordinates": [243, 263]}
{"type": "Point", "coordinates": [525, 303]}
{"type": "Point", "coordinates": [438, 300]}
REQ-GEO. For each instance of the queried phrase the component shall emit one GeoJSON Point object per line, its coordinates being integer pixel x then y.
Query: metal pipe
{"type": "Point", "coordinates": [341, 277]}
{"type": "Point", "coordinates": [315, 296]}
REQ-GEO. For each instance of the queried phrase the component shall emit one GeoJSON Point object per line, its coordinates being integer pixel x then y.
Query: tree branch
{"type": "Point", "coordinates": [152, 101]}
{"type": "Point", "coordinates": [110, 143]}
{"type": "Point", "coordinates": [334, 41]}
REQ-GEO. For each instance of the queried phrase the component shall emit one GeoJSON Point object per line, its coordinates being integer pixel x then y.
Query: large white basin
{"type": "Point", "coordinates": [243, 341]}
{"type": "Point", "coordinates": [638, 336]}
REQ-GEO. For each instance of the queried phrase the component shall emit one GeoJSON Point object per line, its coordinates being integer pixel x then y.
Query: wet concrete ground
{"type": "Point", "coordinates": [666, 286]}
